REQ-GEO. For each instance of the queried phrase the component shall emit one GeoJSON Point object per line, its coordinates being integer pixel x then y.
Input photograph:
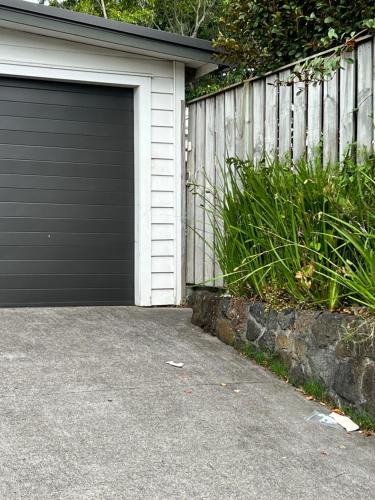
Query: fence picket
{"type": "Point", "coordinates": [230, 142]}
{"type": "Point", "coordinates": [240, 112]}
{"type": "Point", "coordinates": [199, 209]}
{"type": "Point", "coordinates": [248, 117]}
{"type": "Point", "coordinates": [330, 120]}
{"type": "Point", "coordinates": [209, 260]}
{"type": "Point", "coordinates": [299, 120]}
{"type": "Point", "coordinates": [347, 104]}
{"type": "Point", "coordinates": [314, 119]}
{"type": "Point", "coordinates": [285, 116]}
{"type": "Point", "coordinates": [258, 118]}
{"type": "Point", "coordinates": [190, 203]}
{"type": "Point", "coordinates": [219, 161]}
{"type": "Point", "coordinates": [271, 118]}
{"type": "Point", "coordinates": [365, 120]}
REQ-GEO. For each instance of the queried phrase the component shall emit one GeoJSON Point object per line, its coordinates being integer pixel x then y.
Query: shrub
{"type": "Point", "coordinates": [300, 233]}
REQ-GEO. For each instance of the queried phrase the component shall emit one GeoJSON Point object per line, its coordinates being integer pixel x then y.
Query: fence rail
{"type": "Point", "coordinates": [257, 117]}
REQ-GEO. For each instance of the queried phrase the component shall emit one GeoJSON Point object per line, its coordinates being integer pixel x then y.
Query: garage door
{"type": "Point", "coordinates": [66, 194]}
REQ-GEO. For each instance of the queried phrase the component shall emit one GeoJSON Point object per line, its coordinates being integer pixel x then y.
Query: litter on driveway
{"type": "Point", "coordinates": [174, 363]}
{"type": "Point", "coordinates": [345, 422]}
{"type": "Point", "coordinates": [322, 418]}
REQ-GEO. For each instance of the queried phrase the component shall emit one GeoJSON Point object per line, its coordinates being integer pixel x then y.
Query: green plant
{"type": "Point", "coordinates": [316, 389]}
{"type": "Point", "coordinates": [361, 417]}
{"type": "Point", "coordinates": [277, 367]}
{"type": "Point", "coordinates": [296, 233]}
{"type": "Point", "coordinates": [267, 359]}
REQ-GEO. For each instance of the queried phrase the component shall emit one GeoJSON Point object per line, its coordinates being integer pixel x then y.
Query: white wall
{"type": "Point", "coordinates": [32, 55]}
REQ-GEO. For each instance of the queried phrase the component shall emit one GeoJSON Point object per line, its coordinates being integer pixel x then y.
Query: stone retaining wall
{"type": "Point", "coordinates": [313, 344]}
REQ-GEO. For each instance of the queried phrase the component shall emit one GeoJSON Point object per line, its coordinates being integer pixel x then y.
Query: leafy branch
{"type": "Point", "coordinates": [323, 68]}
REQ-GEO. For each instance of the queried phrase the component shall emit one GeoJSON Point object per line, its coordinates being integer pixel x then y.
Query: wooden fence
{"type": "Point", "coordinates": [255, 117]}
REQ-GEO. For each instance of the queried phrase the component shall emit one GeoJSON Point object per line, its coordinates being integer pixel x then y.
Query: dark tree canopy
{"type": "Point", "coordinates": [262, 35]}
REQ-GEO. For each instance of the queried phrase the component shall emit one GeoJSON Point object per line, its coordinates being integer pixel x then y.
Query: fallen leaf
{"type": "Point", "coordinates": [223, 385]}
{"type": "Point", "coordinates": [339, 411]}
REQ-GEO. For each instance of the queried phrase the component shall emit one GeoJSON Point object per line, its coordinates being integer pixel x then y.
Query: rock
{"type": "Point", "coordinates": [225, 332]}
{"type": "Point", "coordinates": [345, 382]}
{"type": "Point", "coordinates": [253, 330]}
{"type": "Point", "coordinates": [366, 349]}
{"type": "Point", "coordinates": [299, 347]}
{"type": "Point", "coordinates": [204, 310]}
{"type": "Point", "coordinates": [272, 320]}
{"type": "Point", "coordinates": [344, 349]}
{"type": "Point", "coordinates": [225, 304]}
{"type": "Point", "coordinates": [327, 328]}
{"type": "Point", "coordinates": [282, 341]}
{"type": "Point", "coordinates": [267, 341]}
{"type": "Point", "coordinates": [322, 364]}
{"type": "Point", "coordinates": [256, 311]}
{"type": "Point", "coordinates": [368, 387]}
{"type": "Point", "coordinates": [304, 320]}
{"type": "Point", "coordinates": [286, 319]}
{"type": "Point", "coordinates": [238, 313]}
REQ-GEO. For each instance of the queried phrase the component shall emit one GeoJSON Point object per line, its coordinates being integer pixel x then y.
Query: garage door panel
{"type": "Point", "coordinates": [50, 225]}
{"type": "Point", "coordinates": [122, 173]}
{"type": "Point", "coordinates": [26, 109]}
{"type": "Point", "coordinates": [45, 281]}
{"type": "Point", "coordinates": [26, 195]}
{"type": "Point", "coordinates": [63, 252]}
{"type": "Point", "coordinates": [46, 153]}
{"type": "Point", "coordinates": [68, 296]}
{"type": "Point", "coordinates": [50, 267]}
{"type": "Point", "coordinates": [62, 126]}
{"type": "Point", "coordinates": [54, 238]}
{"type": "Point", "coordinates": [66, 183]}
{"type": "Point", "coordinates": [66, 194]}
{"type": "Point", "coordinates": [16, 91]}
{"type": "Point", "coordinates": [65, 211]}
{"type": "Point", "coordinates": [74, 141]}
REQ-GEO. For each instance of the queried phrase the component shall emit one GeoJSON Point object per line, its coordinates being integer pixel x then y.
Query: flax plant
{"type": "Point", "coordinates": [296, 233]}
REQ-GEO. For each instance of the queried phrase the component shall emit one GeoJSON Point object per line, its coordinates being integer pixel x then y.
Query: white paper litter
{"type": "Point", "coordinates": [174, 363]}
{"type": "Point", "coordinates": [345, 422]}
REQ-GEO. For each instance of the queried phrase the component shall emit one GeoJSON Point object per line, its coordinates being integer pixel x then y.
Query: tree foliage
{"type": "Point", "coordinates": [131, 11]}
{"type": "Point", "coordinates": [263, 35]}
{"type": "Point", "coordinates": [186, 17]}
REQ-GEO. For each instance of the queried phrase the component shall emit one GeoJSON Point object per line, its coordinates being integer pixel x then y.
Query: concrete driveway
{"type": "Point", "coordinates": [89, 409]}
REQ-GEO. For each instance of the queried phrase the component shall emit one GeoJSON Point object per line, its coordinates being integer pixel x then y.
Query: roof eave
{"type": "Point", "coordinates": [79, 27]}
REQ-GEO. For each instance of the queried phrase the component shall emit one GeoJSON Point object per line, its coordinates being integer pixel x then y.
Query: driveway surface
{"type": "Point", "coordinates": [89, 409]}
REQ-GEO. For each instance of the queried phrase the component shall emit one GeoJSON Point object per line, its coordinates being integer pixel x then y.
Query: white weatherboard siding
{"type": "Point", "coordinates": [159, 90]}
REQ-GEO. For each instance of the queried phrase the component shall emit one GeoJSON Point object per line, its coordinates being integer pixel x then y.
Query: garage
{"type": "Point", "coordinates": [66, 194]}
{"type": "Point", "coordinates": [92, 158]}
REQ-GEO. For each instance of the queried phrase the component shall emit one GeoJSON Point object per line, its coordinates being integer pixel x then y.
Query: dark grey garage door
{"type": "Point", "coordinates": [66, 194]}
